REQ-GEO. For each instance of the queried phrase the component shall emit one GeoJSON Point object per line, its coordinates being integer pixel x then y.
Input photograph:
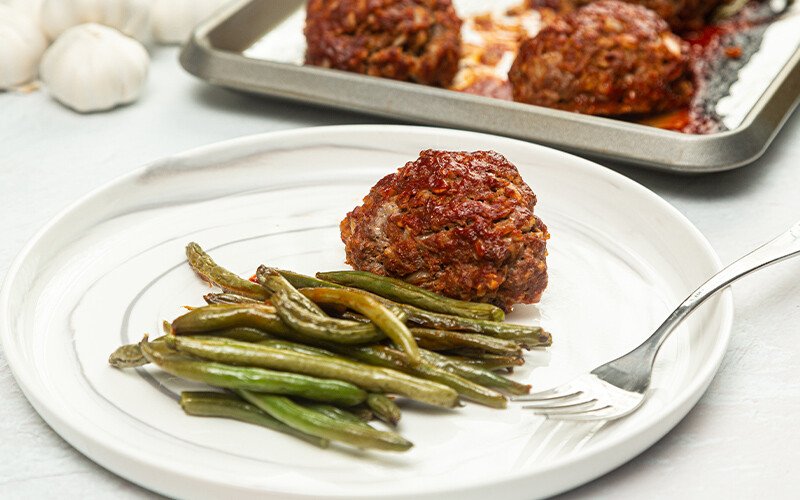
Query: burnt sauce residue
{"type": "Point", "coordinates": [718, 52]}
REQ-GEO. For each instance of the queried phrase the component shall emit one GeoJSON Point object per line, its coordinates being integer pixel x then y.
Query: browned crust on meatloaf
{"type": "Point", "coordinates": [457, 223]}
{"type": "Point", "coordinates": [608, 58]}
{"type": "Point", "coordinates": [412, 40]}
{"type": "Point", "coordinates": [682, 15]}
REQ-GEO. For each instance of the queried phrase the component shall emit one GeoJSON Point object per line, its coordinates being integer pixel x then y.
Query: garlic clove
{"type": "Point", "coordinates": [92, 67]}
{"type": "Point", "coordinates": [21, 47]}
{"type": "Point", "coordinates": [32, 8]}
{"type": "Point", "coordinates": [174, 20]}
{"type": "Point", "coordinates": [131, 17]}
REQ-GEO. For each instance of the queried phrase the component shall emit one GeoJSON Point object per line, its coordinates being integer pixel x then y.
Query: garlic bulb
{"type": "Point", "coordinates": [131, 17]}
{"type": "Point", "coordinates": [21, 46]}
{"type": "Point", "coordinates": [32, 8]}
{"type": "Point", "coordinates": [174, 20]}
{"type": "Point", "coordinates": [91, 67]}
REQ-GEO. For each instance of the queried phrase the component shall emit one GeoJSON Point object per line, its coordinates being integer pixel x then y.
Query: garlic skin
{"type": "Point", "coordinates": [22, 44]}
{"type": "Point", "coordinates": [32, 8]}
{"type": "Point", "coordinates": [174, 20]}
{"type": "Point", "coordinates": [131, 17]}
{"type": "Point", "coordinates": [92, 67]}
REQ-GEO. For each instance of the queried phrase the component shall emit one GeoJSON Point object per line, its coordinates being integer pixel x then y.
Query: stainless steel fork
{"type": "Point", "coordinates": [618, 388]}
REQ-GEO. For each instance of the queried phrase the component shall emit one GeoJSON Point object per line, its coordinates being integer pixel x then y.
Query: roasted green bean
{"type": "Point", "coordinates": [205, 266]}
{"type": "Point", "coordinates": [273, 282]}
{"type": "Point", "coordinates": [390, 324]}
{"type": "Point", "coordinates": [407, 293]}
{"type": "Point", "coordinates": [531, 336]}
{"type": "Point", "coordinates": [443, 340]}
{"type": "Point", "coordinates": [368, 377]}
{"type": "Point", "coordinates": [391, 358]}
{"type": "Point", "coordinates": [242, 333]}
{"type": "Point", "coordinates": [323, 328]}
{"type": "Point", "coordinates": [337, 413]}
{"type": "Point", "coordinates": [315, 423]}
{"type": "Point", "coordinates": [491, 363]}
{"type": "Point", "coordinates": [229, 298]}
{"type": "Point", "coordinates": [256, 379]}
{"type": "Point", "coordinates": [478, 375]}
{"type": "Point", "coordinates": [302, 281]}
{"type": "Point", "coordinates": [127, 356]}
{"type": "Point", "coordinates": [131, 355]}
{"type": "Point", "coordinates": [384, 408]}
{"type": "Point", "coordinates": [224, 316]}
{"type": "Point", "coordinates": [295, 347]}
{"type": "Point", "coordinates": [221, 405]}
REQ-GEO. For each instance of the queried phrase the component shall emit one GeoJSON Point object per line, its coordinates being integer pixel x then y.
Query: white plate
{"type": "Point", "coordinates": [111, 267]}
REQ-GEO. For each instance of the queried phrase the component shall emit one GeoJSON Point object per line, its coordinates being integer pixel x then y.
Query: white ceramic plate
{"type": "Point", "coordinates": [111, 267]}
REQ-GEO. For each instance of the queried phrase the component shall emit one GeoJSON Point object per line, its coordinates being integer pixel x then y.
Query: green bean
{"type": "Point", "coordinates": [384, 408]}
{"type": "Point", "coordinates": [127, 356]}
{"type": "Point", "coordinates": [442, 340]}
{"type": "Point", "coordinates": [221, 405]}
{"type": "Point", "coordinates": [493, 363]}
{"type": "Point", "coordinates": [362, 413]}
{"type": "Point", "coordinates": [229, 298]}
{"type": "Point", "coordinates": [375, 311]}
{"type": "Point", "coordinates": [296, 347]}
{"type": "Point", "coordinates": [368, 377]}
{"type": "Point", "coordinates": [323, 328]}
{"type": "Point", "coordinates": [205, 266]}
{"type": "Point", "coordinates": [302, 281]}
{"type": "Point", "coordinates": [131, 355]}
{"type": "Point", "coordinates": [354, 316]}
{"type": "Point", "coordinates": [273, 282]}
{"type": "Point", "coordinates": [256, 379]}
{"type": "Point", "coordinates": [337, 413]}
{"type": "Point", "coordinates": [242, 333]}
{"type": "Point", "coordinates": [478, 375]}
{"type": "Point", "coordinates": [317, 424]}
{"type": "Point", "coordinates": [224, 316]}
{"type": "Point", "coordinates": [407, 293]}
{"type": "Point", "coordinates": [390, 358]}
{"type": "Point", "coordinates": [532, 336]}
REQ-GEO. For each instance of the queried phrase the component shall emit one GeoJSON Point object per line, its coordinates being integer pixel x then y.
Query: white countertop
{"type": "Point", "coordinates": [740, 441]}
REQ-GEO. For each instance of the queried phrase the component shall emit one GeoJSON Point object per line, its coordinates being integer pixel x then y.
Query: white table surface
{"type": "Point", "coordinates": [741, 441]}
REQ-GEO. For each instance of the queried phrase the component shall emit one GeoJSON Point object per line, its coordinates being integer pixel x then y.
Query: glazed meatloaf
{"type": "Point", "coordinates": [608, 58]}
{"type": "Point", "coordinates": [412, 40]}
{"type": "Point", "coordinates": [457, 223]}
{"type": "Point", "coordinates": [682, 15]}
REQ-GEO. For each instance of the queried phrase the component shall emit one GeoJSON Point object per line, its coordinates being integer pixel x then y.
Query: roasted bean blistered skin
{"type": "Point", "coordinates": [456, 223]}
{"type": "Point", "coordinates": [608, 58]}
{"type": "Point", "coordinates": [412, 40]}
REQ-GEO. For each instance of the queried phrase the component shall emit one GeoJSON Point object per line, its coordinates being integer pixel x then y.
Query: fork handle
{"type": "Point", "coordinates": [781, 248]}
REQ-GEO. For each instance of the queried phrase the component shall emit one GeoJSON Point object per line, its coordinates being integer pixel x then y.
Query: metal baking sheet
{"type": "Point", "coordinates": [258, 46]}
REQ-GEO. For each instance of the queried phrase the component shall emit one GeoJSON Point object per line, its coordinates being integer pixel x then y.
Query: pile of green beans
{"type": "Point", "coordinates": [318, 358]}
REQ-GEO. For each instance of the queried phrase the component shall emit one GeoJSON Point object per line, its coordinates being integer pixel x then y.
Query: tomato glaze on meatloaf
{"type": "Point", "coordinates": [682, 15]}
{"type": "Point", "coordinates": [608, 58]}
{"type": "Point", "coordinates": [412, 40]}
{"type": "Point", "coordinates": [457, 223]}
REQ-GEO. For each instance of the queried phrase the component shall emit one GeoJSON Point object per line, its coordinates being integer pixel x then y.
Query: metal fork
{"type": "Point", "coordinates": [618, 388]}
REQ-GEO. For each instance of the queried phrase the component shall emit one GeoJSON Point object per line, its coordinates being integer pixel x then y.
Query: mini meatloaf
{"type": "Point", "coordinates": [457, 223]}
{"type": "Point", "coordinates": [608, 58]}
{"type": "Point", "coordinates": [682, 15]}
{"type": "Point", "coordinates": [412, 40]}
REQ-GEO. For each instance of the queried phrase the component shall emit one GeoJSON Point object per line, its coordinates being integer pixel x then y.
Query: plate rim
{"type": "Point", "coordinates": [669, 416]}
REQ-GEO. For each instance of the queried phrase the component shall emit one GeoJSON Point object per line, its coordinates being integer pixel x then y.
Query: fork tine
{"type": "Point", "coordinates": [555, 391]}
{"type": "Point", "coordinates": [568, 409]}
{"type": "Point", "coordinates": [592, 415]}
{"type": "Point", "coordinates": [547, 396]}
{"type": "Point", "coordinates": [566, 400]}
